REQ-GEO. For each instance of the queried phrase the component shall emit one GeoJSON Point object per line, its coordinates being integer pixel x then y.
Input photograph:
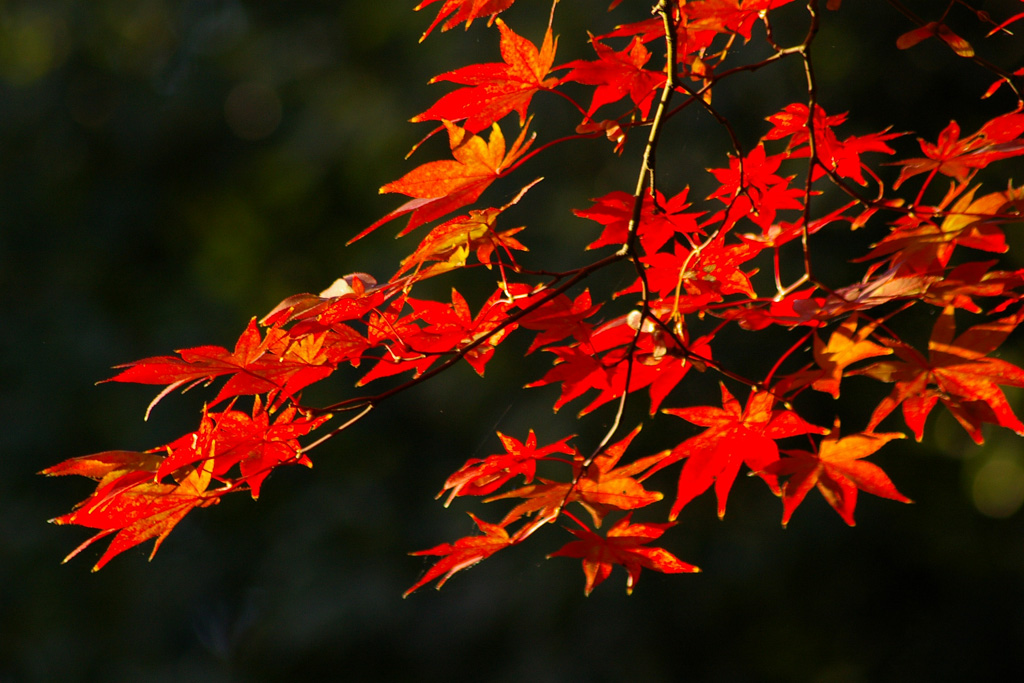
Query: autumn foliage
{"type": "Point", "coordinates": [699, 269]}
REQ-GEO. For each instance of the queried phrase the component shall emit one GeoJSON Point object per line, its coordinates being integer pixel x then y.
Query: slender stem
{"type": "Point", "coordinates": [631, 248]}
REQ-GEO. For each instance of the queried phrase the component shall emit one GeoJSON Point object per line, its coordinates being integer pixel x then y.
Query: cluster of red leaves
{"type": "Point", "coordinates": [697, 271]}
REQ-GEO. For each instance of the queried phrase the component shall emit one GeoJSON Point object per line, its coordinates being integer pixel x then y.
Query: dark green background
{"type": "Point", "coordinates": [138, 215]}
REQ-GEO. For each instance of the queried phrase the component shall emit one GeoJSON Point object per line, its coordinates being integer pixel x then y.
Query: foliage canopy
{"type": "Point", "coordinates": [698, 270]}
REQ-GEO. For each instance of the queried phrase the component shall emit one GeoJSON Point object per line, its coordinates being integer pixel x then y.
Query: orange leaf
{"type": "Point", "coordinates": [600, 488]}
{"type": "Point", "coordinates": [440, 187]}
{"type": "Point", "coordinates": [140, 510]}
{"type": "Point", "coordinates": [958, 372]}
{"type": "Point", "coordinates": [464, 553]}
{"type": "Point", "coordinates": [838, 471]}
{"type": "Point", "coordinates": [451, 242]}
{"type": "Point", "coordinates": [846, 346]}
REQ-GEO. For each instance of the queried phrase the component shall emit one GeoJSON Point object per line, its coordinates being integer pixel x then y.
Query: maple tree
{"type": "Point", "coordinates": [699, 270]}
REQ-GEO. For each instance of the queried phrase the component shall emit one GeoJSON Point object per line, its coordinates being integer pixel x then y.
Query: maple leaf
{"type": "Point", "coordinates": [497, 89]}
{"type": "Point", "coordinates": [957, 372]}
{"type": "Point", "coordinates": [660, 219]}
{"type": "Point", "coordinates": [599, 488]}
{"type": "Point", "coordinates": [777, 234]}
{"type": "Point", "coordinates": [846, 346]}
{"type": "Point", "coordinates": [203, 364]}
{"type": "Point", "coordinates": [958, 158]}
{"type": "Point", "coordinates": [734, 436]}
{"type": "Point", "coordinates": [325, 316]}
{"type": "Point", "coordinates": [604, 363]}
{"type": "Point", "coordinates": [558, 318]}
{"type": "Point", "coordinates": [706, 275]}
{"type": "Point", "coordinates": [275, 363]}
{"type": "Point", "coordinates": [837, 469]}
{"type": "Point", "coordinates": [893, 284]}
{"type": "Point", "coordinates": [972, 279]}
{"type": "Point", "coordinates": [841, 157]}
{"type": "Point", "coordinates": [464, 10]}
{"type": "Point", "coordinates": [136, 507]}
{"type": "Point", "coordinates": [462, 554]}
{"type": "Point", "coordinates": [253, 443]}
{"type": "Point", "coordinates": [258, 445]}
{"type": "Point", "coordinates": [626, 544]}
{"type": "Point", "coordinates": [577, 371]}
{"type": "Point", "coordinates": [451, 242]}
{"type": "Point", "coordinates": [728, 16]}
{"type": "Point", "coordinates": [605, 487]}
{"type": "Point", "coordinates": [448, 329]}
{"type": "Point", "coordinates": [921, 245]}
{"type": "Point", "coordinates": [100, 466]}
{"type": "Point", "coordinates": [617, 75]}
{"type": "Point", "coordinates": [478, 477]}
{"type": "Point", "coordinates": [796, 308]}
{"type": "Point", "coordinates": [753, 190]}
{"type": "Point", "coordinates": [440, 187]}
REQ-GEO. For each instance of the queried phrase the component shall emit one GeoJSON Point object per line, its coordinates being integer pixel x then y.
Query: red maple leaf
{"type": "Point", "coordinates": [734, 436]}
{"type": "Point", "coordinates": [275, 363]}
{"type": "Point", "coordinates": [958, 372]}
{"type": "Point", "coordinates": [434, 329]}
{"type": "Point", "coordinates": [204, 364]}
{"type": "Point", "coordinates": [603, 363]}
{"type": "Point", "coordinates": [617, 75]}
{"type": "Point", "coordinates": [921, 245]}
{"type": "Point", "coordinates": [701, 276]}
{"type": "Point", "coordinates": [464, 10]}
{"type": "Point", "coordinates": [462, 554]}
{"type": "Point", "coordinates": [478, 477]}
{"type": "Point", "coordinates": [130, 502]}
{"type": "Point", "coordinates": [348, 298]}
{"type": "Point", "coordinates": [837, 469]}
{"type": "Point", "coordinates": [752, 189]}
{"type": "Point", "coordinates": [957, 158]}
{"type": "Point", "coordinates": [600, 488]}
{"type": "Point", "coordinates": [496, 89]}
{"type": "Point", "coordinates": [557, 318]}
{"type": "Point", "coordinates": [626, 544]}
{"type": "Point", "coordinates": [728, 16]}
{"type": "Point", "coordinates": [99, 466]}
{"type": "Point", "coordinates": [840, 156]}
{"type": "Point", "coordinates": [253, 443]}
{"type": "Point", "coordinates": [449, 244]}
{"type": "Point", "coordinates": [660, 219]}
{"type": "Point", "coordinates": [796, 308]}
{"type": "Point", "coordinates": [969, 280]}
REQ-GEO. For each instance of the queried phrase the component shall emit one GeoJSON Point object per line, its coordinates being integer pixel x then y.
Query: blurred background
{"type": "Point", "coordinates": [170, 169]}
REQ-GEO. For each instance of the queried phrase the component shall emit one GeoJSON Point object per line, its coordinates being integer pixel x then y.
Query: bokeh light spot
{"type": "Point", "coordinates": [998, 487]}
